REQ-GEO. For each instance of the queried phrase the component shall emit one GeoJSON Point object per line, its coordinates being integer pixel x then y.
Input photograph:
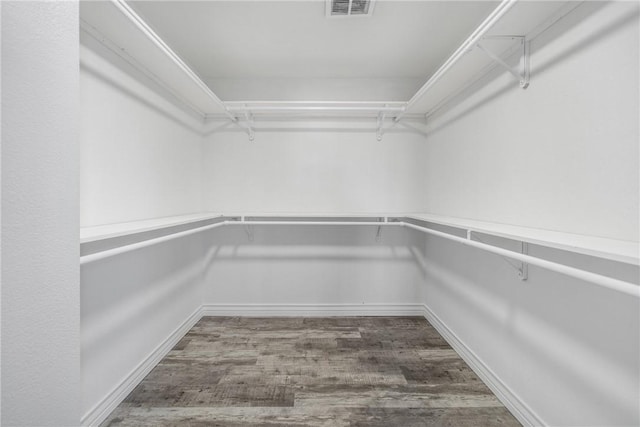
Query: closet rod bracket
{"type": "Point", "coordinates": [249, 118]}
{"type": "Point", "coordinates": [379, 130]}
{"type": "Point", "coordinates": [522, 73]}
{"type": "Point", "coordinates": [523, 271]}
{"type": "Point", "coordinates": [522, 268]}
{"type": "Point", "coordinates": [248, 228]}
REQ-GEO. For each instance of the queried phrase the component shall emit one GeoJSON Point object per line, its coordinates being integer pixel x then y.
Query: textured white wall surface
{"type": "Point", "coordinates": [560, 155]}
{"type": "Point", "coordinates": [140, 155]}
{"type": "Point", "coordinates": [312, 265]}
{"type": "Point", "coordinates": [130, 304]}
{"type": "Point", "coordinates": [0, 220]}
{"type": "Point", "coordinates": [313, 172]}
{"type": "Point", "coordinates": [40, 248]}
{"type": "Point", "coordinates": [568, 349]}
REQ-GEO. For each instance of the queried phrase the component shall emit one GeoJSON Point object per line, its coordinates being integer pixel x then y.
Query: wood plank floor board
{"type": "Point", "coordinates": [295, 334]}
{"type": "Point", "coordinates": [439, 417]}
{"type": "Point", "coordinates": [196, 374]}
{"type": "Point", "coordinates": [318, 417]}
{"type": "Point", "coordinates": [402, 398]}
{"type": "Point", "coordinates": [243, 395]}
{"type": "Point", "coordinates": [294, 371]}
{"type": "Point", "coordinates": [318, 370]}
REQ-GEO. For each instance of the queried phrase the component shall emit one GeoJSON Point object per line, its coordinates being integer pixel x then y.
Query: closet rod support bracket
{"type": "Point", "coordinates": [522, 268]}
{"type": "Point", "coordinates": [249, 230]}
{"type": "Point", "coordinates": [249, 118]}
{"type": "Point", "coordinates": [379, 130]}
{"type": "Point", "coordinates": [523, 72]}
{"type": "Point", "coordinates": [379, 234]}
{"type": "Point", "coordinates": [523, 272]}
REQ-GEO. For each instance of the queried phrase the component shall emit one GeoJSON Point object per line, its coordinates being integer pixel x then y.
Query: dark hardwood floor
{"type": "Point", "coordinates": [338, 371]}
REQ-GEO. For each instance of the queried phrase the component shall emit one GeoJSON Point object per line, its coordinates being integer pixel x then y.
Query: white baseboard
{"type": "Point", "coordinates": [103, 409]}
{"type": "Point", "coordinates": [514, 404]}
{"type": "Point", "coordinates": [312, 310]}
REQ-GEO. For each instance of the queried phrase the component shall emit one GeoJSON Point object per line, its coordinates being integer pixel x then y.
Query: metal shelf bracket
{"type": "Point", "coordinates": [523, 72]}
{"type": "Point", "coordinates": [248, 129]}
{"type": "Point", "coordinates": [382, 219]}
{"type": "Point", "coordinates": [523, 271]}
{"type": "Point", "coordinates": [522, 268]}
{"type": "Point", "coordinates": [379, 234]}
{"type": "Point", "coordinates": [379, 130]}
{"type": "Point", "coordinates": [249, 118]}
{"type": "Point", "coordinates": [249, 230]}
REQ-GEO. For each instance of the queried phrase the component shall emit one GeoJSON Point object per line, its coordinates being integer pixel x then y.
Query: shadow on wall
{"type": "Point", "coordinates": [550, 332]}
{"type": "Point", "coordinates": [97, 60]}
{"type": "Point", "coordinates": [121, 290]}
{"type": "Point", "coordinates": [557, 30]}
{"type": "Point", "coordinates": [311, 265]}
{"type": "Point", "coordinates": [329, 243]}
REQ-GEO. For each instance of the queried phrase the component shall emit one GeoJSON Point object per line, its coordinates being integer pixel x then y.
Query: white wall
{"type": "Point", "coordinates": [568, 349]}
{"type": "Point", "coordinates": [313, 265]}
{"type": "Point", "coordinates": [140, 155]}
{"type": "Point", "coordinates": [130, 305]}
{"type": "Point", "coordinates": [140, 158]}
{"type": "Point", "coordinates": [0, 222]}
{"type": "Point", "coordinates": [560, 155]}
{"type": "Point", "coordinates": [322, 172]}
{"type": "Point", "coordinates": [40, 274]}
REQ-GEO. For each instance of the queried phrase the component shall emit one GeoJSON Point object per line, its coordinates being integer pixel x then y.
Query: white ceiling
{"type": "Point", "coordinates": [290, 50]}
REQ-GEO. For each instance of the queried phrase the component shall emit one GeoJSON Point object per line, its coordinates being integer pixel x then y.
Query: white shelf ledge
{"type": "Point", "coordinates": [107, 231]}
{"type": "Point", "coordinates": [557, 240]}
{"type": "Point", "coordinates": [319, 214]}
{"type": "Point", "coordinates": [116, 24]}
{"type": "Point", "coordinates": [100, 232]}
{"type": "Point", "coordinates": [615, 250]}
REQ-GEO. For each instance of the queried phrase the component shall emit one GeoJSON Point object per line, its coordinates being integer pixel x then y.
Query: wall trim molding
{"type": "Point", "coordinates": [312, 310]}
{"type": "Point", "coordinates": [110, 402]}
{"type": "Point", "coordinates": [514, 404]}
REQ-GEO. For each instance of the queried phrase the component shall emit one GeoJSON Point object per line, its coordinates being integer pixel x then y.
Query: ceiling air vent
{"type": "Point", "coordinates": [337, 8]}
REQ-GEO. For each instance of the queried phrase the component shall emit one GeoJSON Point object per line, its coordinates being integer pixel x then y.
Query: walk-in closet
{"type": "Point", "coordinates": [320, 213]}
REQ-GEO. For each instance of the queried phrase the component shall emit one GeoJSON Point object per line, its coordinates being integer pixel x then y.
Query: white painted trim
{"type": "Point", "coordinates": [108, 404]}
{"type": "Point", "coordinates": [514, 404]}
{"type": "Point", "coordinates": [312, 310]}
{"type": "Point", "coordinates": [601, 247]}
{"type": "Point", "coordinates": [108, 231]}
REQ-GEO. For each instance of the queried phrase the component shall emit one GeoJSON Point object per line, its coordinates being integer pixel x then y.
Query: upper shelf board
{"type": "Point", "coordinates": [109, 231]}
{"type": "Point", "coordinates": [118, 25]}
{"type": "Point", "coordinates": [616, 250]}
{"type": "Point", "coordinates": [526, 19]}
{"type": "Point", "coordinates": [624, 251]}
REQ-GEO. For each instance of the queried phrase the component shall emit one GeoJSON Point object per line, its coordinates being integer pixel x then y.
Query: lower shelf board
{"type": "Point", "coordinates": [312, 371]}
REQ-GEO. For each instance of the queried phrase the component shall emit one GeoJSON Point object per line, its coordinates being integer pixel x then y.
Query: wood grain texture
{"type": "Point", "coordinates": [338, 371]}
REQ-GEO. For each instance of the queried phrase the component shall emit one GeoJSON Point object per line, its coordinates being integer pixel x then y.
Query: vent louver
{"type": "Point", "coordinates": [349, 7]}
